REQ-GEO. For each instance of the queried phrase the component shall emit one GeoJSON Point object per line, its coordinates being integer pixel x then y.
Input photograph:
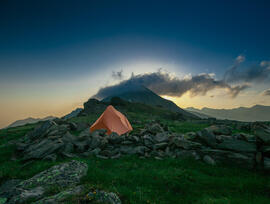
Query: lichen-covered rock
{"type": "Point", "coordinates": [263, 134]}
{"type": "Point", "coordinates": [62, 196]}
{"type": "Point", "coordinates": [61, 175]}
{"type": "Point", "coordinates": [25, 195]}
{"type": "Point", "coordinates": [103, 197]}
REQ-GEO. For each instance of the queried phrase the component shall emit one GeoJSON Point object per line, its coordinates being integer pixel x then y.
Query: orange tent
{"type": "Point", "coordinates": [113, 121]}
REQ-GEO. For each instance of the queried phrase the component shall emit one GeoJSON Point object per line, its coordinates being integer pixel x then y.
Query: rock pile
{"type": "Point", "coordinates": [64, 177]}
{"type": "Point", "coordinates": [215, 144]}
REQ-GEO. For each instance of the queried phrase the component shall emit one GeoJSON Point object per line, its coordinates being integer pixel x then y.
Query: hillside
{"type": "Point", "coordinates": [141, 94]}
{"type": "Point", "coordinates": [252, 114]}
{"type": "Point", "coordinates": [29, 121]}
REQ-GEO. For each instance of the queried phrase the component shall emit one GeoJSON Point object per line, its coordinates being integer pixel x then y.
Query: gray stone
{"type": "Point", "coordinates": [220, 129]}
{"type": "Point", "coordinates": [162, 145]}
{"type": "Point", "coordinates": [266, 163]}
{"type": "Point", "coordinates": [62, 196]}
{"type": "Point", "coordinates": [161, 137]}
{"type": "Point", "coordinates": [103, 197]}
{"type": "Point", "coordinates": [237, 146]}
{"type": "Point", "coordinates": [230, 158]}
{"type": "Point", "coordinates": [62, 175]}
{"type": "Point", "coordinates": [185, 144]}
{"type": "Point", "coordinates": [51, 157]}
{"type": "Point", "coordinates": [25, 195]}
{"type": "Point", "coordinates": [208, 160]}
{"type": "Point", "coordinates": [207, 137]}
{"type": "Point", "coordinates": [263, 134]}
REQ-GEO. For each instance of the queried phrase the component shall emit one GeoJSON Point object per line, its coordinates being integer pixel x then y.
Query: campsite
{"type": "Point", "coordinates": [134, 102]}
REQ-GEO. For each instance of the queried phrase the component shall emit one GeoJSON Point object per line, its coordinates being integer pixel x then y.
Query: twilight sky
{"type": "Point", "coordinates": [54, 55]}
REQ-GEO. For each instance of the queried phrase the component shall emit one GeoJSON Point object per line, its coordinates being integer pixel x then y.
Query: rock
{"type": "Point", "coordinates": [247, 137]}
{"type": "Point", "coordinates": [208, 160]}
{"type": "Point", "coordinates": [220, 129]}
{"type": "Point", "coordinates": [266, 163]}
{"type": "Point", "coordinates": [51, 157]}
{"type": "Point", "coordinates": [102, 157]}
{"type": "Point", "coordinates": [82, 126]}
{"type": "Point", "coordinates": [230, 158]}
{"type": "Point", "coordinates": [73, 126]}
{"type": "Point", "coordinates": [99, 133]}
{"type": "Point", "coordinates": [25, 195]}
{"type": "Point", "coordinates": [237, 146]}
{"type": "Point", "coordinates": [263, 134]}
{"type": "Point", "coordinates": [41, 149]}
{"type": "Point", "coordinates": [62, 175]}
{"type": "Point", "coordinates": [191, 135]}
{"type": "Point", "coordinates": [114, 138]}
{"type": "Point", "coordinates": [95, 142]}
{"type": "Point", "coordinates": [206, 137]}
{"type": "Point", "coordinates": [183, 154]}
{"type": "Point", "coordinates": [41, 130]}
{"type": "Point", "coordinates": [162, 145]}
{"type": "Point", "coordinates": [160, 137]}
{"type": "Point", "coordinates": [7, 188]}
{"type": "Point", "coordinates": [62, 196]}
{"type": "Point", "coordinates": [116, 156]}
{"type": "Point", "coordinates": [103, 197]}
{"type": "Point", "coordinates": [185, 144]}
{"type": "Point", "coordinates": [152, 129]}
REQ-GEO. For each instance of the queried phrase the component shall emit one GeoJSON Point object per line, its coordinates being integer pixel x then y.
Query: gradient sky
{"type": "Point", "coordinates": [54, 55]}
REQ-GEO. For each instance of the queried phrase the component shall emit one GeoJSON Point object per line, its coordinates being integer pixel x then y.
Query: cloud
{"type": "Point", "coordinates": [266, 92]}
{"type": "Point", "coordinates": [240, 59]}
{"type": "Point", "coordinates": [256, 73]}
{"type": "Point", "coordinates": [117, 75]}
{"type": "Point", "coordinates": [162, 83]}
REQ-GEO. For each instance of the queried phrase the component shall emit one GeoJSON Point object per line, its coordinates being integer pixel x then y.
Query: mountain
{"type": "Point", "coordinates": [141, 94]}
{"type": "Point", "coordinates": [72, 114]}
{"type": "Point", "coordinates": [29, 121]}
{"type": "Point", "coordinates": [254, 113]}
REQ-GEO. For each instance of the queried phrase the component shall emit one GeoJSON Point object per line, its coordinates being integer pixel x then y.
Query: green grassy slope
{"type": "Point", "coordinates": [148, 180]}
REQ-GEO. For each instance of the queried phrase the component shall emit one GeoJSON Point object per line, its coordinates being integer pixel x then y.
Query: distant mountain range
{"type": "Point", "coordinates": [29, 121]}
{"type": "Point", "coordinates": [141, 94]}
{"type": "Point", "coordinates": [252, 114]}
{"type": "Point", "coordinates": [73, 113]}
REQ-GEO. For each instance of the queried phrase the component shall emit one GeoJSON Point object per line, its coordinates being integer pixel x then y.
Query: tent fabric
{"type": "Point", "coordinates": [113, 121]}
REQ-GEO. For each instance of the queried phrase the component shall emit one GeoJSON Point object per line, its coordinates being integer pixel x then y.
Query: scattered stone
{"type": "Point", "coordinates": [220, 129]}
{"type": "Point", "coordinates": [237, 146]}
{"type": "Point", "coordinates": [62, 196]}
{"type": "Point", "coordinates": [103, 197]}
{"type": "Point", "coordinates": [263, 134]}
{"type": "Point", "coordinates": [208, 160]}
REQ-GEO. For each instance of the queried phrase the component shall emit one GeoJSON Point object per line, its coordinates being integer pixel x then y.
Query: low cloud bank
{"type": "Point", "coordinates": [163, 83]}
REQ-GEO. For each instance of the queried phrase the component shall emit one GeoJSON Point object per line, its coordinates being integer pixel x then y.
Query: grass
{"type": "Point", "coordinates": [151, 181]}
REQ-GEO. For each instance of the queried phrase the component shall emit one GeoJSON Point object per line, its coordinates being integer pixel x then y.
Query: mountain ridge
{"type": "Point", "coordinates": [247, 114]}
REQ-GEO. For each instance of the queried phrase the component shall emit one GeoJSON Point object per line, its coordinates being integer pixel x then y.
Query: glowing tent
{"type": "Point", "coordinates": [113, 121]}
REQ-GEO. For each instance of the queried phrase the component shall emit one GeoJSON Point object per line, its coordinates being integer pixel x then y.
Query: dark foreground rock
{"type": "Point", "coordinates": [62, 176]}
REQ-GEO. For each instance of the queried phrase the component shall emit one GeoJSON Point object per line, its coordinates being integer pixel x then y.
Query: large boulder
{"type": "Point", "coordinates": [62, 196]}
{"type": "Point", "coordinates": [263, 134]}
{"type": "Point", "coordinates": [206, 137]}
{"type": "Point", "coordinates": [62, 176]}
{"type": "Point", "coordinates": [230, 158]}
{"type": "Point", "coordinates": [220, 129]}
{"type": "Point", "coordinates": [237, 146]}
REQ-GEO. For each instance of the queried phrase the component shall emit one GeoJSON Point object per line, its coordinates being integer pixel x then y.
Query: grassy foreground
{"type": "Point", "coordinates": [148, 180]}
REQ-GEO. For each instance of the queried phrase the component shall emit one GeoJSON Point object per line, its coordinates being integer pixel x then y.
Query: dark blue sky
{"type": "Point", "coordinates": [75, 36]}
